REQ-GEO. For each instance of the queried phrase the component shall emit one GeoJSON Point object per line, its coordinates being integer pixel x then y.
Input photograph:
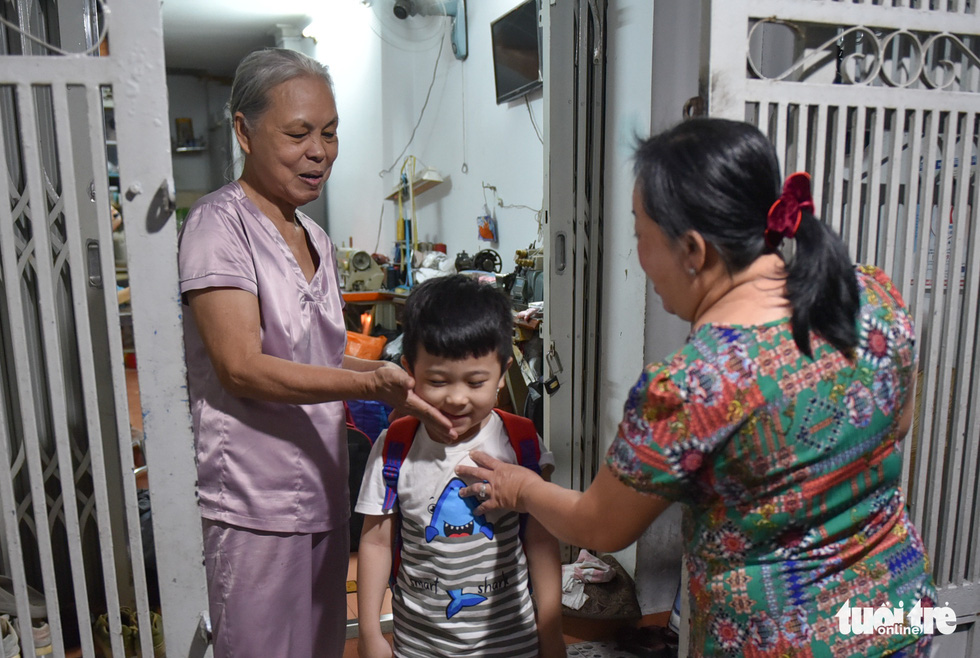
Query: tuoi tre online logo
{"type": "Point", "coordinates": [894, 621]}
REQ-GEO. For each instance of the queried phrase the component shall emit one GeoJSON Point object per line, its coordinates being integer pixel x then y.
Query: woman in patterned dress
{"type": "Point", "coordinates": [778, 423]}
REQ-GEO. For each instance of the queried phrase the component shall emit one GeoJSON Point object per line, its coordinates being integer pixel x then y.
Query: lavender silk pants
{"type": "Point", "coordinates": [276, 594]}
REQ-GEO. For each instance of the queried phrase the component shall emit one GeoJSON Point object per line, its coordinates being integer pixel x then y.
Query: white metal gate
{"type": "Point", "coordinates": [71, 521]}
{"type": "Point", "coordinates": [879, 100]}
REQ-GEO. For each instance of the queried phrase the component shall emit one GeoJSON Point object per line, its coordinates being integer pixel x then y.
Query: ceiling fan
{"type": "Point", "coordinates": [415, 24]}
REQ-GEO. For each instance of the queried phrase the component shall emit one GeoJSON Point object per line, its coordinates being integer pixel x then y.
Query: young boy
{"type": "Point", "coordinates": [463, 585]}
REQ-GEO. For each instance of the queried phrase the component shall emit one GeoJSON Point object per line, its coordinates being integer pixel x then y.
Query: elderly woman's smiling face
{"type": "Point", "coordinates": [291, 147]}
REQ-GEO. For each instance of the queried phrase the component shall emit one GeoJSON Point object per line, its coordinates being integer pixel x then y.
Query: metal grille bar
{"type": "Point", "coordinates": [38, 178]}
{"type": "Point", "coordinates": [833, 214]}
{"type": "Point", "coordinates": [84, 338]}
{"type": "Point", "coordinates": [17, 268]}
{"type": "Point", "coordinates": [23, 380]}
{"type": "Point", "coordinates": [830, 12]}
{"type": "Point", "coordinates": [934, 356]}
{"type": "Point", "coordinates": [855, 95]}
{"type": "Point", "coordinates": [958, 333]}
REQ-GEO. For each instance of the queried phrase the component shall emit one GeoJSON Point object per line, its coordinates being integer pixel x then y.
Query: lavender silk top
{"type": "Point", "coordinates": [265, 465]}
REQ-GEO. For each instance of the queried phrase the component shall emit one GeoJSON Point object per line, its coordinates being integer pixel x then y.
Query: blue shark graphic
{"type": "Point", "coordinates": [453, 515]}
{"type": "Point", "coordinates": [458, 601]}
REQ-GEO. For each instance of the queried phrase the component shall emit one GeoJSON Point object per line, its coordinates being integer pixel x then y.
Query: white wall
{"type": "Point", "coordinates": [380, 89]}
{"type": "Point", "coordinates": [651, 70]}
{"type": "Point", "coordinates": [628, 93]}
{"type": "Point", "coordinates": [676, 60]}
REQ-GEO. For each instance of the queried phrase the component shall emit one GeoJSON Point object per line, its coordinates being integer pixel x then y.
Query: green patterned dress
{"type": "Point", "coordinates": [789, 469]}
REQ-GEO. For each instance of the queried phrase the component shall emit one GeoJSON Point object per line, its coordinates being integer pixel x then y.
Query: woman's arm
{"type": "Point", "coordinates": [608, 516]}
{"type": "Point", "coordinates": [358, 364]}
{"type": "Point", "coordinates": [544, 566]}
{"type": "Point", "coordinates": [228, 320]}
{"type": "Point", "coordinates": [373, 570]}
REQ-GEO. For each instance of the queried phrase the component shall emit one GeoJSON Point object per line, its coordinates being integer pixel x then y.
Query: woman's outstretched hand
{"type": "Point", "coordinates": [499, 485]}
{"type": "Point", "coordinates": [394, 387]}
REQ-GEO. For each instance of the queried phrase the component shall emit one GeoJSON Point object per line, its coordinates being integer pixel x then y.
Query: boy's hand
{"type": "Point", "coordinates": [373, 646]}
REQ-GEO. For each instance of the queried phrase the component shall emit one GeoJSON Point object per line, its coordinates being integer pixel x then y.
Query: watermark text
{"type": "Point", "coordinates": [895, 621]}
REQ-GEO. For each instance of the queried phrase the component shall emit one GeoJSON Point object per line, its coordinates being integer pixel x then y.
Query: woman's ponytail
{"type": "Point", "coordinates": [822, 288]}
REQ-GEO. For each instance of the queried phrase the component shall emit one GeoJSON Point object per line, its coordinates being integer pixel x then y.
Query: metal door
{"type": "Point", "coordinates": [574, 97]}
{"type": "Point", "coordinates": [879, 100]}
{"type": "Point", "coordinates": [71, 520]}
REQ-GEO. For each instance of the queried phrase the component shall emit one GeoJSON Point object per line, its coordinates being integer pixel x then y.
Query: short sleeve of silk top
{"type": "Point", "coordinates": [265, 465]}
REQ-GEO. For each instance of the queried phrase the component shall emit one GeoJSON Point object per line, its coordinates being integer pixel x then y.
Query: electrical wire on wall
{"type": "Point", "coordinates": [538, 216]}
{"type": "Point", "coordinates": [381, 217]}
{"type": "Point", "coordinates": [492, 188]}
{"type": "Point", "coordinates": [499, 203]}
{"type": "Point", "coordinates": [462, 105]}
{"type": "Point", "coordinates": [55, 49]}
{"type": "Point", "coordinates": [435, 69]}
{"type": "Point", "coordinates": [533, 122]}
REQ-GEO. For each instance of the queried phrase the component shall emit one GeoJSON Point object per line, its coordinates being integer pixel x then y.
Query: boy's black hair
{"type": "Point", "coordinates": [457, 317]}
{"type": "Point", "coordinates": [719, 178]}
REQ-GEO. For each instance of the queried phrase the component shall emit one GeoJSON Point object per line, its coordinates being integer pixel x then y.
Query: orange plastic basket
{"type": "Point", "coordinates": [363, 346]}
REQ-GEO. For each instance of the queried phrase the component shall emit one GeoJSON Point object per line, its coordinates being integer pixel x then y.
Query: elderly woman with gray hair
{"type": "Point", "coordinates": [268, 375]}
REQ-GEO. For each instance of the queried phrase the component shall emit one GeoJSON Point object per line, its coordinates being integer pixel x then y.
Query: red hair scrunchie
{"type": "Point", "coordinates": [785, 214]}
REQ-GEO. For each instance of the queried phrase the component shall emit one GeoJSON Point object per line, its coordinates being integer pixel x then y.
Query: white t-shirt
{"type": "Point", "coordinates": [463, 586]}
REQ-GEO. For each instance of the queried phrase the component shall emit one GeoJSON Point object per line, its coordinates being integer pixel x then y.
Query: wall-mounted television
{"type": "Point", "coordinates": [516, 43]}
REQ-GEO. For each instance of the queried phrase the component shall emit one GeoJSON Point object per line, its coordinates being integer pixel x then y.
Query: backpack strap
{"type": "Point", "coordinates": [398, 441]}
{"type": "Point", "coordinates": [523, 439]}
{"type": "Point", "coordinates": [523, 436]}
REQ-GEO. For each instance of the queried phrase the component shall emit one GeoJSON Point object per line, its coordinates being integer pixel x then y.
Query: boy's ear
{"type": "Point", "coordinates": [406, 366]}
{"type": "Point", "coordinates": [503, 374]}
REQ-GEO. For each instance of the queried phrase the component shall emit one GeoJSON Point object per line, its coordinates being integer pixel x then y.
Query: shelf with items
{"type": "Point", "coordinates": [185, 141]}
{"type": "Point", "coordinates": [414, 179]}
{"type": "Point", "coordinates": [425, 181]}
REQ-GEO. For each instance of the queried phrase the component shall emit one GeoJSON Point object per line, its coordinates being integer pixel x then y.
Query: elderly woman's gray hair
{"type": "Point", "coordinates": [262, 70]}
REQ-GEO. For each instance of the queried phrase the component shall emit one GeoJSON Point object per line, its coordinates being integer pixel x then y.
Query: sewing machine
{"type": "Point", "coordinates": [358, 271]}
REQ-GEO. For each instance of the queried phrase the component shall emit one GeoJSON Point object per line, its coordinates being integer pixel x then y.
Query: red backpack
{"type": "Point", "coordinates": [398, 441]}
